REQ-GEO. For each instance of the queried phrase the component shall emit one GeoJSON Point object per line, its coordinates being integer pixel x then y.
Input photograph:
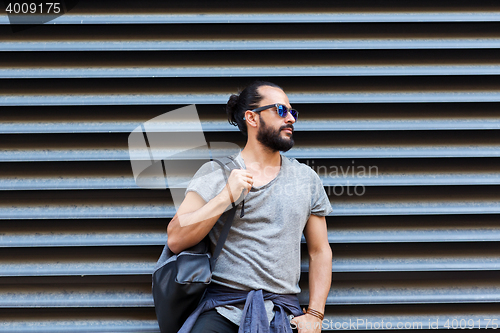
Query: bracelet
{"type": "Point", "coordinates": [315, 313]}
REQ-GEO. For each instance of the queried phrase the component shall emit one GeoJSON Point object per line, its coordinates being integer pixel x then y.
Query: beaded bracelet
{"type": "Point", "coordinates": [315, 313]}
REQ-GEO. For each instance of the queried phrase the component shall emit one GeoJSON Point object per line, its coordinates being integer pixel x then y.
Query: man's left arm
{"type": "Point", "coordinates": [320, 271]}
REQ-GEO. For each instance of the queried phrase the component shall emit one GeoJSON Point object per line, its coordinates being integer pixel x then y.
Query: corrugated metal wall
{"type": "Point", "coordinates": [407, 90]}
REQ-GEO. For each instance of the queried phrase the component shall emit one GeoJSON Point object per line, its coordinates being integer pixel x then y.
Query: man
{"type": "Point", "coordinates": [282, 199]}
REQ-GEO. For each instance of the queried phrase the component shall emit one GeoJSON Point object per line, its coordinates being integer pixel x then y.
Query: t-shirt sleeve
{"type": "Point", "coordinates": [320, 204]}
{"type": "Point", "coordinates": [207, 182]}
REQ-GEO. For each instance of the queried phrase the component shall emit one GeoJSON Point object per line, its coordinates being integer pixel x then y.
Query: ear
{"type": "Point", "coordinates": [251, 118]}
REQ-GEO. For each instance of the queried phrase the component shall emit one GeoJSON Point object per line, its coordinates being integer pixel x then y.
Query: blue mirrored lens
{"type": "Point", "coordinates": [282, 110]}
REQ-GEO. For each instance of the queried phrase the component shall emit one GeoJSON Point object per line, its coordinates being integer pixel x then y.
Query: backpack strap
{"type": "Point", "coordinates": [225, 163]}
{"type": "Point", "coordinates": [231, 164]}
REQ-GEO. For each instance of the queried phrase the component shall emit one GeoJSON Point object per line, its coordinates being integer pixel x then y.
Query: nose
{"type": "Point", "coordinates": [289, 119]}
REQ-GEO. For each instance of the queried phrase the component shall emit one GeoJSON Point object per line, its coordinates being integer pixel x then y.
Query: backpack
{"type": "Point", "coordinates": [180, 280]}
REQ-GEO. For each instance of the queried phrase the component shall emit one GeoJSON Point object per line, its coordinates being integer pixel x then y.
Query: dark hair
{"type": "Point", "coordinates": [247, 99]}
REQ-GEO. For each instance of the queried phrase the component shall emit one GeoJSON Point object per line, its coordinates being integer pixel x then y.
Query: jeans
{"type": "Point", "coordinates": [213, 322]}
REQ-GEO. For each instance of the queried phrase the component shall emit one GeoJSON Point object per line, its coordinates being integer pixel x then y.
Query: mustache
{"type": "Point", "coordinates": [290, 126]}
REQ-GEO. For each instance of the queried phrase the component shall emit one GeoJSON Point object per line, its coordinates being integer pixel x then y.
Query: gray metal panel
{"type": "Point", "coordinates": [131, 232]}
{"type": "Point", "coordinates": [412, 292]}
{"type": "Point", "coordinates": [275, 71]}
{"type": "Point", "coordinates": [410, 144]}
{"type": "Point", "coordinates": [409, 87]}
{"type": "Point", "coordinates": [352, 90]}
{"type": "Point", "coordinates": [89, 320]}
{"type": "Point", "coordinates": [409, 257]}
{"type": "Point", "coordinates": [38, 262]}
{"type": "Point", "coordinates": [277, 17]}
{"type": "Point", "coordinates": [414, 229]}
{"type": "Point", "coordinates": [79, 320]}
{"type": "Point", "coordinates": [82, 233]}
{"type": "Point", "coordinates": [129, 295]}
{"type": "Point", "coordinates": [428, 316]}
{"type": "Point", "coordinates": [157, 99]}
{"type": "Point", "coordinates": [354, 201]}
{"type": "Point", "coordinates": [320, 63]}
{"type": "Point", "coordinates": [313, 117]}
{"type": "Point", "coordinates": [71, 296]}
{"type": "Point", "coordinates": [227, 12]}
{"type": "Point", "coordinates": [373, 172]}
{"type": "Point", "coordinates": [262, 44]}
{"type": "Point", "coordinates": [208, 37]}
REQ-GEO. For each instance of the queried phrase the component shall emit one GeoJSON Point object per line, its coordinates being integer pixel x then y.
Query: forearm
{"type": "Point", "coordinates": [188, 229]}
{"type": "Point", "coordinates": [320, 278]}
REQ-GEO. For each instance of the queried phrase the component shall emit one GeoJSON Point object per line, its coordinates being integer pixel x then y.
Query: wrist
{"type": "Point", "coordinates": [223, 199]}
{"type": "Point", "coordinates": [316, 305]}
{"type": "Point", "coordinates": [315, 313]}
{"type": "Point", "coordinates": [228, 189]}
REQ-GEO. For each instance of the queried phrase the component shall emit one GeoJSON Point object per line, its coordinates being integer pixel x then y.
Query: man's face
{"type": "Point", "coordinates": [275, 132]}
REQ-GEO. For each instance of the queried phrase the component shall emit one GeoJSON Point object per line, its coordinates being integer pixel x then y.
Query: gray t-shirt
{"type": "Point", "coordinates": [262, 250]}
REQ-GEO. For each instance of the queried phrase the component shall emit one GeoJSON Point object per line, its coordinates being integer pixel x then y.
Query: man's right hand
{"type": "Point", "coordinates": [239, 180]}
{"type": "Point", "coordinates": [195, 217]}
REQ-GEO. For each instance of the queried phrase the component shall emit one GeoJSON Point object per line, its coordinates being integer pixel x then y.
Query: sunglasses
{"type": "Point", "coordinates": [280, 108]}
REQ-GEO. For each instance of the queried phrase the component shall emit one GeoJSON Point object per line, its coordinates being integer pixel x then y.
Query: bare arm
{"type": "Point", "coordinates": [320, 270]}
{"type": "Point", "coordinates": [320, 261]}
{"type": "Point", "coordinates": [195, 218]}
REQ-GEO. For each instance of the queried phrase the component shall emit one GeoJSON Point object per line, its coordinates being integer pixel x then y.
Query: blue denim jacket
{"type": "Point", "coordinates": [254, 318]}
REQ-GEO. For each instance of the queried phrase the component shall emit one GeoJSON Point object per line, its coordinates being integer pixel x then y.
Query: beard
{"type": "Point", "coordinates": [272, 139]}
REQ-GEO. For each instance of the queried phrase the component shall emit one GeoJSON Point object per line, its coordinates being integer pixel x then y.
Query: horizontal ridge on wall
{"type": "Point", "coordinates": [353, 201]}
{"type": "Point", "coordinates": [341, 230]}
{"type": "Point", "coordinates": [130, 294]}
{"type": "Point", "coordinates": [349, 258]}
{"type": "Point", "coordinates": [321, 63]}
{"type": "Point", "coordinates": [313, 118]}
{"type": "Point", "coordinates": [97, 175]}
{"type": "Point", "coordinates": [210, 37]}
{"type": "Point", "coordinates": [376, 145]}
{"type": "Point", "coordinates": [148, 91]}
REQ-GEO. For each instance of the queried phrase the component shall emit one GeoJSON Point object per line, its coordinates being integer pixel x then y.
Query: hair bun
{"type": "Point", "coordinates": [231, 108]}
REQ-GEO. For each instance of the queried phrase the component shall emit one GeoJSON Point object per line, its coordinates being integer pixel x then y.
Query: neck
{"type": "Point", "coordinates": [255, 152]}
